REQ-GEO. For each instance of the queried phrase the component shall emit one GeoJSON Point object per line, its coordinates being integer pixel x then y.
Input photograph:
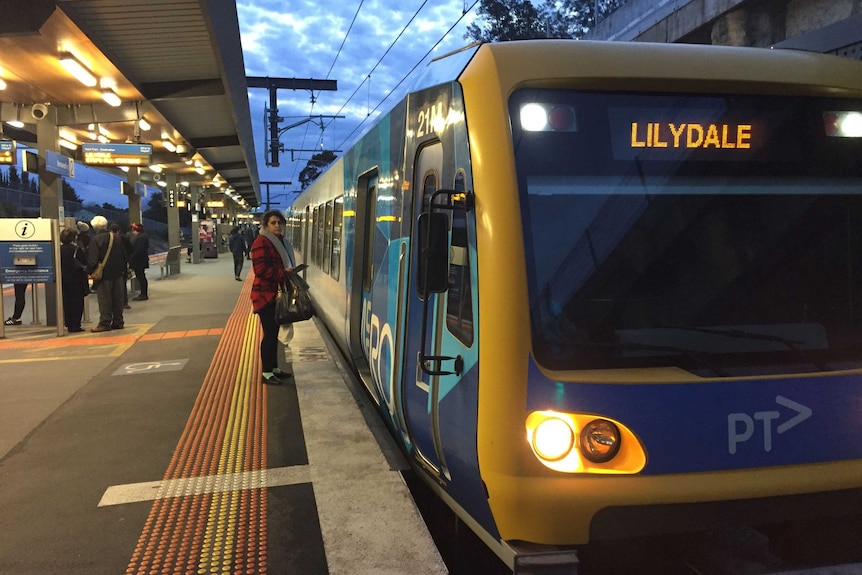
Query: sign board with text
{"type": "Point", "coordinates": [111, 154]}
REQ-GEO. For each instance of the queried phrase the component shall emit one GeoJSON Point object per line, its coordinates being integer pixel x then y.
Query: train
{"type": "Point", "coordinates": [603, 290]}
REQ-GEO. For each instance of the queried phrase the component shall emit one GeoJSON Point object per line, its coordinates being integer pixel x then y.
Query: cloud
{"type": "Point", "coordinates": [300, 40]}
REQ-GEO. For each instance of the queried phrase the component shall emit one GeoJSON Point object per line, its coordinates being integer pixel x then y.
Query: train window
{"type": "Point", "coordinates": [725, 257]}
{"type": "Point", "coordinates": [337, 216]}
{"type": "Point", "coordinates": [327, 236]}
{"type": "Point", "coordinates": [321, 225]}
{"type": "Point", "coordinates": [315, 223]}
{"type": "Point", "coordinates": [376, 241]}
{"type": "Point", "coordinates": [459, 297]}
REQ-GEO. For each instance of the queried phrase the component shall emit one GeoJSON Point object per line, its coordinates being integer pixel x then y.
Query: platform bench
{"type": "Point", "coordinates": [171, 264]}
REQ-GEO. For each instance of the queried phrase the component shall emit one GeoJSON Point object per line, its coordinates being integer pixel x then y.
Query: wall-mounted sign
{"type": "Point", "coordinates": [7, 152]}
{"type": "Point", "coordinates": [215, 204]}
{"type": "Point", "coordinates": [117, 154]}
{"type": "Point", "coordinates": [61, 165]}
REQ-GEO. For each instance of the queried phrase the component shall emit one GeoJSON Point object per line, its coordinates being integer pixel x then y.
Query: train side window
{"type": "Point", "coordinates": [320, 222]}
{"type": "Point", "coordinates": [459, 297]}
{"type": "Point", "coordinates": [315, 223]}
{"type": "Point", "coordinates": [327, 236]}
{"type": "Point", "coordinates": [373, 233]}
{"type": "Point", "coordinates": [337, 220]}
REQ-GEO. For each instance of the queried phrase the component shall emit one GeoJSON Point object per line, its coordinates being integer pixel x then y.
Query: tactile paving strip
{"type": "Point", "coordinates": [222, 529]}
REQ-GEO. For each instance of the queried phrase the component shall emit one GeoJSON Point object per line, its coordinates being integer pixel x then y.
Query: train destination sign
{"type": "Point", "coordinates": [7, 152]}
{"type": "Point", "coordinates": [117, 154]}
{"type": "Point", "coordinates": [691, 135]}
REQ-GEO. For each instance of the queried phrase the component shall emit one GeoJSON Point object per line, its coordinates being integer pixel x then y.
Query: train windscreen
{"type": "Point", "coordinates": [718, 234]}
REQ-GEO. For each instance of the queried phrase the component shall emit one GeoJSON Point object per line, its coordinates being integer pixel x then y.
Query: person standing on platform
{"type": "Point", "coordinates": [139, 259]}
{"type": "Point", "coordinates": [239, 249]}
{"type": "Point", "coordinates": [73, 262]}
{"type": "Point", "coordinates": [272, 260]}
{"type": "Point", "coordinates": [107, 246]}
{"type": "Point", "coordinates": [20, 302]}
{"type": "Point", "coordinates": [250, 234]}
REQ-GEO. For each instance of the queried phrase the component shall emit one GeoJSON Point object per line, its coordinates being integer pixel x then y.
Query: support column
{"type": "Point", "coordinates": [50, 198]}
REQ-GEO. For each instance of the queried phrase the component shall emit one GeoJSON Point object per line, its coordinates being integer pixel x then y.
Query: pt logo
{"type": "Point", "coordinates": [741, 427]}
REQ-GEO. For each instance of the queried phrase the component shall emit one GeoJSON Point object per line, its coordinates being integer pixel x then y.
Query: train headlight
{"type": "Point", "coordinates": [600, 441]}
{"type": "Point", "coordinates": [583, 443]}
{"type": "Point", "coordinates": [537, 117]}
{"type": "Point", "coordinates": [843, 124]}
{"type": "Point", "coordinates": [553, 439]}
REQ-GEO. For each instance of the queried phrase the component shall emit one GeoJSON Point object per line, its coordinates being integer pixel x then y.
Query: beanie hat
{"type": "Point", "coordinates": [83, 227]}
{"type": "Point", "coordinates": [99, 223]}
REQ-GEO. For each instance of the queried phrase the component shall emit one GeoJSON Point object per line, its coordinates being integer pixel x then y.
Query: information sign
{"type": "Point", "coordinates": [26, 251]}
{"type": "Point", "coordinates": [60, 165]}
{"type": "Point", "coordinates": [7, 152]}
{"type": "Point", "coordinates": [116, 154]}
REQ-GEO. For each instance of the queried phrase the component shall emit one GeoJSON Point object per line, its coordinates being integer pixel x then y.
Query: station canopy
{"type": "Point", "coordinates": [176, 64]}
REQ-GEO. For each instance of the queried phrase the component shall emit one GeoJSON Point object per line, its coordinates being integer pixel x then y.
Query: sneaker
{"type": "Point", "coordinates": [12, 321]}
{"type": "Point", "coordinates": [282, 374]}
{"type": "Point", "coordinates": [100, 328]}
{"type": "Point", "coordinates": [237, 278]}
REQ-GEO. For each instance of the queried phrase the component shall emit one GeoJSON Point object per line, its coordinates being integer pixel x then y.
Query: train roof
{"type": "Point", "coordinates": [654, 62]}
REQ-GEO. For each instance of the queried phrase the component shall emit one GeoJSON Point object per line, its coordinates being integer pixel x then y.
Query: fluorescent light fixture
{"type": "Point", "coordinates": [77, 69]}
{"type": "Point", "coordinates": [67, 144]}
{"type": "Point", "coordinates": [169, 146]}
{"type": "Point", "coordinates": [16, 123]}
{"type": "Point", "coordinates": [162, 183]}
{"type": "Point", "coordinates": [157, 168]}
{"type": "Point", "coordinates": [200, 170]}
{"type": "Point", "coordinates": [2, 84]}
{"type": "Point", "coordinates": [111, 97]}
{"type": "Point", "coordinates": [143, 124]}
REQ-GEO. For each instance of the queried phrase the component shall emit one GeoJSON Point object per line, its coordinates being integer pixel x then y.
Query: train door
{"type": "Point", "coordinates": [421, 391]}
{"type": "Point", "coordinates": [377, 339]}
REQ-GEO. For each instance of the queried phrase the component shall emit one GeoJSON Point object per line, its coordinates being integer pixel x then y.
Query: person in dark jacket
{"type": "Point", "coordinates": [73, 262]}
{"type": "Point", "coordinates": [239, 249]}
{"type": "Point", "coordinates": [109, 288]}
{"type": "Point", "coordinates": [139, 259]}
{"type": "Point", "coordinates": [272, 259]}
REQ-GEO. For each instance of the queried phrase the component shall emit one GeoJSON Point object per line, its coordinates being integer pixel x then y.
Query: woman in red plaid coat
{"type": "Point", "coordinates": [272, 259]}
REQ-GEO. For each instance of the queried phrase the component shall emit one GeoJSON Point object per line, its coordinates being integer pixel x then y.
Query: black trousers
{"type": "Point", "coordinates": [237, 264]}
{"type": "Point", "coordinates": [141, 275]}
{"type": "Point", "coordinates": [20, 300]}
{"type": "Point", "coordinates": [269, 343]}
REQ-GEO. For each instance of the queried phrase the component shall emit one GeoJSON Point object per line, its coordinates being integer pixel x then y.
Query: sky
{"type": "Point", "coordinates": [371, 48]}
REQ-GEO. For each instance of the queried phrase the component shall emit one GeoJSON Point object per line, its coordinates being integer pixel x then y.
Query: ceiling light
{"type": "Point", "coordinates": [157, 168]}
{"type": "Point", "coordinates": [77, 69]}
{"type": "Point", "coordinates": [169, 146]}
{"type": "Point", "coordinates": [16, 123]}
{"type": "Point", "coordinates": [2, 84]}
{"type": "Point", "coordinates": [67, 144]}
{"type": "Point", "coordinates": [143, 124]}
{"type": "Point", "coordinates": [111, 97]}
{"type": "Point", "coordinates": [200, 170]}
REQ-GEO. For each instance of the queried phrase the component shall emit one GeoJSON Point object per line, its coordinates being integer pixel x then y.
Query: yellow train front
{"type": "Point", "coordinates": [602, 290]}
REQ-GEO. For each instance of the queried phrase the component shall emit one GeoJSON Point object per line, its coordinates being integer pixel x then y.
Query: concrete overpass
{"type": "Point", "coordinates": [829, 26]}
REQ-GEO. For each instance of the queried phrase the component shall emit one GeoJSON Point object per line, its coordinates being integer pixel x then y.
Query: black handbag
{"type": "Point", "coordinates": [293, 304]}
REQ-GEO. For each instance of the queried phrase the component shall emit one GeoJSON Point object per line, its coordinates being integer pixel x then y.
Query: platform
{"type": "Point", "coordinates": [156, 449]}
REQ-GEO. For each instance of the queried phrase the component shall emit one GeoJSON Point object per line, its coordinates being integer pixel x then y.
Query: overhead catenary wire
{"type": "Point", "coordinates": [331, 66]}
{"type": "Point", "coordinates": [377, 64]}
{"type": "Point", "coordinates": [393, 90]}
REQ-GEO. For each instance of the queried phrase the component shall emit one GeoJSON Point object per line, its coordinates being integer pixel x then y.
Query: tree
{"type": "Point", "coordinates": [69, 193]}
{"type": "Point", "coordinates": [156, 209]}
{"type": "Point", "coordinates": [502, 20]}
{"type": "Point", "coordinates": [315, 167]}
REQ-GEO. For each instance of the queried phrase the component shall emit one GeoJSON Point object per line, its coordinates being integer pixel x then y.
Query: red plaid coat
{"type": "Point", "coordinates": [268, 273]}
